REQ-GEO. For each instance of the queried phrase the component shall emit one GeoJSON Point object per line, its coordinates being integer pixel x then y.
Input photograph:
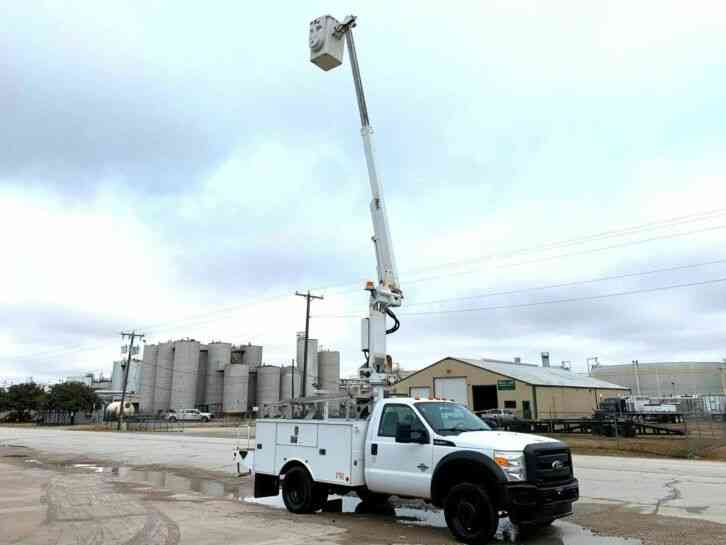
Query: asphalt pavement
{"type": "Point", "coordinates": [677, 488]}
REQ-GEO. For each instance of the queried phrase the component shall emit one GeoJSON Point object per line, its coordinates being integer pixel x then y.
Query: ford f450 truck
{"type": "Point", "coordinates": [435, 450]}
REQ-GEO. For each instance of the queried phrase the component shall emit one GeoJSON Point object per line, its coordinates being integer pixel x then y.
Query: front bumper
{"type": "Point", "coordinates": [529, 503]}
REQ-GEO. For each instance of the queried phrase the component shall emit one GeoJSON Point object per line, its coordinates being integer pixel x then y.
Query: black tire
{"type": "Point", "coordinates": [298, 491]}
{"type": "Point", "coordinates": [205, 419]}
{"type": "Point", "coordinates": [470, 515]}
{"type": "Point", "coordinates": [172, 419]}
{"type": "Point", "coordinates": [372, 498]}
{"type": "Point", "coordinates": [320, 497]}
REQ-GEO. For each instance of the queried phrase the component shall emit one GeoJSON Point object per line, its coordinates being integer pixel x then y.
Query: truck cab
{"type": "Point", "coordinates": [435, 450]}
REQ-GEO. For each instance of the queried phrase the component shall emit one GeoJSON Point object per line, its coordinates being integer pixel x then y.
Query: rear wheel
{"type": "Point", "coordinates": [470, 515]}
{"type": "Point", "coordinates": [320, 497]}
{"type": "Point", "coordinates": [298, 491]}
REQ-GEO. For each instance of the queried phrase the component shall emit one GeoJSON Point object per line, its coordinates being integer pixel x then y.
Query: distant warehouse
{"type": "Point", "coordinates": [528, 390]}
{"type": "Point", "coordinates": [666, 378]}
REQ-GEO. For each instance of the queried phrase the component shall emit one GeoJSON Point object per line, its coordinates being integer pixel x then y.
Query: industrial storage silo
{"type": "Point", "coordinates": [289, 383]}
{"type": "Point", "coordinates": [236, 377]}
{"type": "Point", "coordinates": [148, 378]}
{"type": "Point", "coordinates": [312, 363]}
{"type": "Point", "coordinates": [201, 375]}
{"type": "Point", "coordinates": [252, 355]}
{"type": "Point", "coordinates": [162, 386]}
{"type": "Point", "coordinates": [329, 370]}
{"type": "Point", "coordinates": [252, 388]}
{"type": "Point", "coordinates": [219, 356]}
{"type": "Point", "coordinates": [133, 379]}
{"type": "Point", "coordinates": [185, 374]}
{"type": "Point", "coordinates": [116, 376]}
{"type": "Point", "coordinates": [268, 385]}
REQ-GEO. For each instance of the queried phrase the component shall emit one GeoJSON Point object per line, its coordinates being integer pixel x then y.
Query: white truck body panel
{"type": "Point", "coordinates": [332, 450]}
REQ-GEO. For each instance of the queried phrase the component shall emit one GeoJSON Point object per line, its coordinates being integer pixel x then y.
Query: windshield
{"type": "Point", "coordinates": [450, 418]}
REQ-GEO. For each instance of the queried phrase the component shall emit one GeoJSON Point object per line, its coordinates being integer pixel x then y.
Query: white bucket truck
{"type": "Point", "coordinates": [431, 449]}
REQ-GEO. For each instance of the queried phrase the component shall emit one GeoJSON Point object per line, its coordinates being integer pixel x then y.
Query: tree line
{"type": "Point", "coordinates": [23, 402]}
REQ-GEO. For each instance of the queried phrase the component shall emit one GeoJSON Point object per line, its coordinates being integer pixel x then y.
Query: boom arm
{"type": "Point", "coordinates": [326, 51]}
{"type": "Point", "coordinates": [387, 293]}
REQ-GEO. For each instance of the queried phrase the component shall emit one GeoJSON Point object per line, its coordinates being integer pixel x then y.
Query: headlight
{"type": "Point", "coordinates": [512, 463]}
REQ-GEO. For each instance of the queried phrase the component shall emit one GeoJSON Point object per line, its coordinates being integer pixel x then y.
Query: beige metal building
{"type": "Point", "coordinates": [667, 378]}
{"type": "Point", "coordinates": [528, 390]}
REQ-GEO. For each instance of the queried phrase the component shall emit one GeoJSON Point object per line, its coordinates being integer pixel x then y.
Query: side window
{"type": "Point", "coordinates": [398, 414]}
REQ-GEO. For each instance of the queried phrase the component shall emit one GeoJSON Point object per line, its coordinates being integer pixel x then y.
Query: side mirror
{"type": "Point", "coordinates": [404, 434]}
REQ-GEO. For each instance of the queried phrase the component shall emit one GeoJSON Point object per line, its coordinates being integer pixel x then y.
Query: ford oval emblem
{"type": "Point", "coordinates": [557, 465]}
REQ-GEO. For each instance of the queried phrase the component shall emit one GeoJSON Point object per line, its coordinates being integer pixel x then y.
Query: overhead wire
{"type": "Point", "coordinates": [588, 238]}
{"type": "Point", "coordinates": [540, 303]}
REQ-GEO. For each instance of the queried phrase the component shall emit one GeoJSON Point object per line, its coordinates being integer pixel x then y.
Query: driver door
{"type": "Point", "coordinates": [399, 468]}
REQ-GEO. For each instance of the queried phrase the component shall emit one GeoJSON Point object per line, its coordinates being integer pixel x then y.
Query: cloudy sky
{"type": "Point", "coordinates": [555, 175]}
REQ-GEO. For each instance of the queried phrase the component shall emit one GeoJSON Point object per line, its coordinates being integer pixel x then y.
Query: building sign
{"type": "Point", "coordinates": [505, 384]}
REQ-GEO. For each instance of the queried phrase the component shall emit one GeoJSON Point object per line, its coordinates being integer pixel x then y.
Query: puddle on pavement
{"type": "Point", "coordinates": [414, 513]}
{"type": "Point", "coordinates": [420, 514]}
{"type": "Point", "coordinates": [178, 483]}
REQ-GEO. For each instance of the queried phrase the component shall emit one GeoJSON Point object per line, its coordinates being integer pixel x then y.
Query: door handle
{"type": "Point", "coordinates": [374, 449]}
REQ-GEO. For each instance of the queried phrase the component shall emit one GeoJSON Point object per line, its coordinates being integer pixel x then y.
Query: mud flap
{"type": "Point", "coordinates": [266, 485]}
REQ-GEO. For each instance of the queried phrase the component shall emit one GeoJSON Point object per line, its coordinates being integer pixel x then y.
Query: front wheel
{"type": "Point", "coordinates": [205, 419]}
{"type": "Point", "coordinates": [470, 515]}
{"type": "Point", "coordinates": [298, 492]}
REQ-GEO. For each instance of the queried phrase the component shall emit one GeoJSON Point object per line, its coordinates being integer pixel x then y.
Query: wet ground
{"type": "Point", "coordinates": [201, 504]}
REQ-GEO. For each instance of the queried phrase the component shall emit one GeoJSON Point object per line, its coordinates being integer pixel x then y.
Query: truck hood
{"type": "Point", "coordinates": [497, 440]}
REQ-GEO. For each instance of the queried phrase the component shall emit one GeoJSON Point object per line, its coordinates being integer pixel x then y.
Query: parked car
{"type": "Point", "coordinates": [502, 416]}
{"type": "Point", "coordinates": [188, 415]}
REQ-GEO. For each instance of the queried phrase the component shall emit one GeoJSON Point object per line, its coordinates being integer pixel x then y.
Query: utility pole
{"type": "Point", "coordinates": [637, 377]}
{"type": "Point", "coordinates": [132, 335]}
{"type": "Point", "coordinates": [308, 297]}
{"type": "Point", "coordinates": [292, 379]}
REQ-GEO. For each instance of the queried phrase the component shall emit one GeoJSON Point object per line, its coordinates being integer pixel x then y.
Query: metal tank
{"type": "Point", "coordinates": [268, 384]}
{"type": "Point", "coordinates": [164, 367]}
{"type": "Point", "coordinates": [329, 370]}
{"type": "Point", "coordinates": [252, 388]}
{"type": "Point", "coordinates": [116, 376]}
{"type": "Point", "coordinates": [133, 383]}
{"type": "Point", "coordinates": [114, 409]}
{"type": "Point", "coordinates": [289, 383]}
{"type": "Point", "coordinates": [148, 378]}
{"type": "Point", "coordinates": [202, 375]}
{"type": "Point", "coordinates": [236, 377]}
{"type": "Point", "coordinates": [185, 375]}
{"type": "Point", "coordinates": [252, 355]}
{"type": "Point", "coordinates": [312, 365]}
{"type": "Point", "coordinates": [220, 355]}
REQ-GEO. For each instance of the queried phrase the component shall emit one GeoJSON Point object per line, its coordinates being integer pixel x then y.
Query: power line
{"type": "Point", "coordinates": [568, 284]}
{"type": "Point", "coordinates": [668, 222]}
{"type": "Point", "coordinates": [540, 303]}
{"type": "Point", "coordinates": [571, 254]}
{"type": "Point", "coordinates": [664, 223]}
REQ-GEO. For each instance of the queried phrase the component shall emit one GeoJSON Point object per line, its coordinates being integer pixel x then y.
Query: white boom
{"type": "Point", "coordinates": [326, 51]}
